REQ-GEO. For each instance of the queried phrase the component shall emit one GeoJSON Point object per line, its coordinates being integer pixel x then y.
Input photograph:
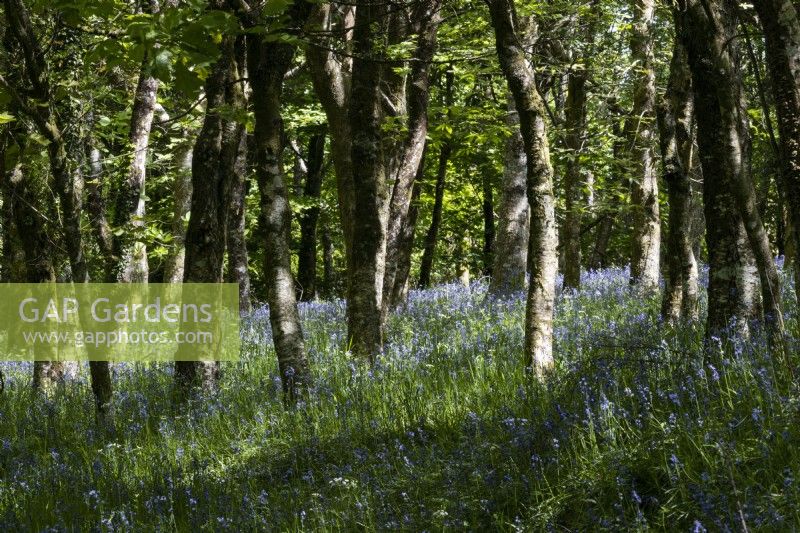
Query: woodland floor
{"type": "Point", "coordinates": [635, 430]}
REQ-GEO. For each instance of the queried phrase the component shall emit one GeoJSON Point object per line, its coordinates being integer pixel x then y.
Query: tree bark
{"type": "Point", "coordinates": [708, 31]}
{"type": "Point", "coordinates": [488, 222]}
{"type": "Point", "coordinates": [432, 235]}
{"type": "Point", "coordinates": [238, 271]}
{"type": "Point", "coordinates": [779, 19]}
{"type": "Point", "coordinates": [575, 139]}
{"type": "Point", "coordinates": [400, 289]}
{"type": "Point", "coordinates": [182, 200]}
{"type": "Point", "coordinates": [543, 259]}
{"type": "Point", "coordinates": [425, 19]}
{"type": "Point", "coordinates": [130, 253]}
{"type": "Point", "coordinates": [213, 158]}
{"type": "Point", "coordinates": [268, 63]}
{"type": "Point", "coordinates": [331, 77]}
{"type": "Point", "coordinates": [645, 251]}
{"type": "Point", "coordinates": [675, 117]}
{"type": "Point", "coordinates": [365, 291]}
{"type": "Point", "coordinates": [510, 261]}
{"type": "Point", "coordinates": [307, 256]}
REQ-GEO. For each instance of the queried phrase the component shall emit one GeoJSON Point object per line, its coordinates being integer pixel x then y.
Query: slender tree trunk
{"type": "Point", "coordinates": [675, 116]}
{"type": "Point", "coordinates": [326, 289]}
{"type": "Point", "coordinates": [130, 253]}
{"type": "Point", "coordinates": [510, 261]}
{"type": "Point", "coordinates": [488, 222]}
{"type": "Point", "coordinates": [779, 19]}
{"type": "Point", "coordinates": [238, 271]}
{"type": "Point", "coordinates": [645, 254]}
{"type": "Point", "coordinates": [672, 301]}
{"type": "Point", "coordinates": [543, 259]}
{"type": "Point", "coordinates": [182, 200]}
{"type": "Point", "coordinates": [100, 371]}
{"type": "Point", "coordinates": [96, 205]}
{"type": "Point", "coordinates": [307, 256]}
{"type": "Point", "coordinates": [330, 76]}
{"type": "Point", "coordinates": [400, 289]}
{"type": "Point", "coordinates": [425, 17]}
{"type": "Point", "coordinates": [214, 155]}
{"type": "Point", "coordinates": [575, 139]}
{"type": "Point", "coordinates": [130, 200]}
{"type": "Point", "coordinates": [365, 291]}
{"type": "Point", "coordinates": [268, 63]}
{"type": "Point", "coordinates": [578, 181]}
{"type": "Point", "coordinates": [605, 228]}
{"type": "Point", "coordinates": [432, 235]}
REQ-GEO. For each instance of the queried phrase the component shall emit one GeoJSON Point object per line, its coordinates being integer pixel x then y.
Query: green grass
{"type": "Point", "coordinates": [635, 430]}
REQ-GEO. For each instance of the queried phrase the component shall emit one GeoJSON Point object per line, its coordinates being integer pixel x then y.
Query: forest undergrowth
{"type": "Point", "coordinates": [640, 427]}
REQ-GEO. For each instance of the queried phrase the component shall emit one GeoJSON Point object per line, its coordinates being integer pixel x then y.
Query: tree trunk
{"type": "Point", "coordinates": [400, 289]}
{"type": "Point", "coordinates": [575, 139]}
{"type": "Point", "coordinates": [732, 217]}
{"type": "Point", "coordinates": [307, 256]}
{"type": "Point", "coordinates": [130, 199]}
{"type": "Point", "coordinates": [213, 158]}
{"type": "Point", "coordinates": [779, 19]}
{"type": "Point", "coordinates": [365, 291]}
{"type": "Point", "coordinates": [488, 221]}
{"type": "Point", "coordinates": [182, 200]}
{"type": "Point", "coordinates": [96, 205]}
{"type": "Point", "coordinates": [268, 63]}
{"type": "Point", "coordinates": [543, 259]}
{"type": "Point", "coordinates": [675, 116]}
{"type": "Point", "coordinates": [326, 289]}
{"type": "Point", "coordinates": [645, 252]}
{"type": "Point", "coordinates": [238, 271]}
{"type": "Point", "coordinates": [330, 76]}
{"type": "Point", "coordinates": [605, 228]}
{"type": "Point", "coordinates": [432, 235]}
{"type": "Point", "coordinates": [510, 261]}
{"type": "Point", "coordinates": [425, 17]}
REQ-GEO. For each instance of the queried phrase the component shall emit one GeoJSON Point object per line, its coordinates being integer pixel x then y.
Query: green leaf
{"type": "Point", "coordinates": [162, 65]}
{"type": "Point", "coordinates": [275, 7]}
{"type": "Point", "coordinates": [187, 81]}
{"type": "Point", "coordinates": [5, 118]}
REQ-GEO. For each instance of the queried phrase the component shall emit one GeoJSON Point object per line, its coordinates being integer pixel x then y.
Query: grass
{"type": "Point", "coordinates": [635, 430]}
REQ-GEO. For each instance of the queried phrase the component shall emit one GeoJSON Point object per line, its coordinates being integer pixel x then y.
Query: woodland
{"type": "Point", "coordinates": [513, 265]}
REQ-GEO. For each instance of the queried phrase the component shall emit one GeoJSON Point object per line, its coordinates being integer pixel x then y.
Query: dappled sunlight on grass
{"type": "Point", "coordinates": [635, 429]}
